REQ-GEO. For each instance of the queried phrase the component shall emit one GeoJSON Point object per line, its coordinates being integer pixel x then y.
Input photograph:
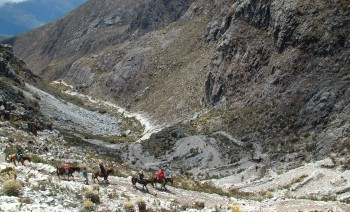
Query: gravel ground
{"type": "Point", "coordinates": [71, 117]}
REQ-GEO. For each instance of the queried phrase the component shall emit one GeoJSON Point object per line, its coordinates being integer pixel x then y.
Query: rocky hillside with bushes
{"type": "Point", "coordinates": [15, 106]}
{"type": "Point", "coordinates": [37, 186]}
{"type": "Point", "coordinates": [231, 84]}
{"type": "Point", "coordinates": [269, 73]}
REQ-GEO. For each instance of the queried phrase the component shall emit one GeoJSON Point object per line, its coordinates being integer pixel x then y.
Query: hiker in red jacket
{"type": "Point", "coordinates": [161, 175]}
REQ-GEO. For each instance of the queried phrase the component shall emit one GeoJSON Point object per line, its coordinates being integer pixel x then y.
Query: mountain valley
{"type": "Point", "coordinates": [245, 100]}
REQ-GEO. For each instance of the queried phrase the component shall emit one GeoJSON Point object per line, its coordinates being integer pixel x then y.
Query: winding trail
{"type": "Point", "coordinates": [72, 117]}
{"type": "Point", "coordinates": [120, 190]}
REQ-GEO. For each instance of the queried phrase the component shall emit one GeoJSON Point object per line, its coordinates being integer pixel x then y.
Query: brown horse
{"type": "Point", "coordinates": [163, 182]}
{"type": "Point", "coordinates": [97, 174]}
{"type": "Point", "coordinates": [22, 159]}
{"type": "Point", "coordinates": [143, 182]}
{"type": "Point", "coordinates": [67, 171]}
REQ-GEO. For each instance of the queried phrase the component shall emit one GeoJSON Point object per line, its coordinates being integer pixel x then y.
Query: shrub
{"type": "Point", "coordinates": [199, 204]}
{"type": "Point", "coordinates": [26, 200]}
{"type": "Point", "coordinates": [88, 205]}
{"type": "Point", "coordinates": [93, 196]}
{"type": "Point", "coordinates": [7, 174]}
{"type": "Point", "coordinates": [234, 208]}
{"type": "Point", "coordinates": [142, 205]}
{"type": "Point", "coordinates": [11, 187]}
{"type": "Point", "coordinates": [129, 206]}
{"type": "Point", "coordinates": [96, 187]}
{"type": "Point", "coordinates": [36, 96]}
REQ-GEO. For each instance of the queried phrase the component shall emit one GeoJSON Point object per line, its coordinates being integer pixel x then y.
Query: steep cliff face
{"type": "Point", "coordinates": [13, 68]}
{"type": "Point", "coordinates": [15, 105]}
{"type": "Point", "coordinates": [288, 60]}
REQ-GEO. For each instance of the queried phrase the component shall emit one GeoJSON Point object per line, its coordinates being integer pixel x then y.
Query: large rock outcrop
{"type": "Point", "coordinates": [284, 65]}
{"type": "Point", "coordinates": [14, 105]}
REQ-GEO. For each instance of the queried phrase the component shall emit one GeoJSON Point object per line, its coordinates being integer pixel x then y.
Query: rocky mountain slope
{"type": "Point", "coordinates": [269, 73]}
{"type": "Point", "coordinates": [15, 106]}
{"type": "Point", "coordinates": [236, 86]}
{"type": "Point", "coordinates": [249, 186]}
{"type": "Point", "coordinates": [295, 188]}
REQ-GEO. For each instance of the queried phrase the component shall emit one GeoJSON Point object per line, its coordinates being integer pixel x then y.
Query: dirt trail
{"type": "Point", "coordinates": [78, 118]}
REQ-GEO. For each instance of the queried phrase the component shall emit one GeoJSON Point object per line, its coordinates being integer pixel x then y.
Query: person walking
{"type": "Point", "coordinates": [7, 152]}
{"type": "Point", "coordinates": [19, 153]}
{"type": "Point", "coordinates": [86, 180]}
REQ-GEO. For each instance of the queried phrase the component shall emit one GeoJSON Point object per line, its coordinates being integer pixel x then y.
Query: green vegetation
{"type": "Point", "coordinates": [93, 196]}
{"type": "Point", "coordinates": [11, 187]}
{"type": "Point", "coordinates": [37, 159]}
{"type": "Point", "coordinates": [199, 204]}
{"type": "Point", "coordinates": [88, 205]}
{"type": "Point", "coordinates": [294, 181]}
{"type": "Point", "coordinates": [129, 206]}
{"type": "Point", "coordinates": [234, 208]}
{"type": "Point", "coordinates": [114, 139]}
{"type": "Point", "coordinates": [7, 174]}
{"type": "Point", "coordinates": [141, 204]}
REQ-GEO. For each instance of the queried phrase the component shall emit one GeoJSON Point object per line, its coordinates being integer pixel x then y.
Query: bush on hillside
{"type": "Point", "coordinates": [142, 205]}
{"type": "Point", "coordinates": [129, 207]}
{"type": "Point", "coordinates": [88, 205]}
{"type": "Point", "coordinates": [199, 204]}
{"type": "Point", "coordinates": [93, 196]}
{"type": "Point", "coordinates": [11, 187]}
{"type": "Point", "coordinates": [234, 208]}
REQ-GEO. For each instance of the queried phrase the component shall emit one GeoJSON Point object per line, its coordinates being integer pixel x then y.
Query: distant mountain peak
{"type": "Point", "coordinates": [18, 16]}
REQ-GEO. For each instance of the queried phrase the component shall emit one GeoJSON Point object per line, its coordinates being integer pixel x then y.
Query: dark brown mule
{"type": "Point", "coordinates": [163, 182]}
{"type": "Point", "coordinates": [143, 182]}
{"type": "Point", "coordinates": [97, 174]}
{"type": "Point", "coordinates": [67, 171]}
{"type": "Point", "coordinates": [22, 159]}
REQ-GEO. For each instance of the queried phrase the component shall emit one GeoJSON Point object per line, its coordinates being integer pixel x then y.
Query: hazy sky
{"type": "Point", "coordinates": [2, 2]}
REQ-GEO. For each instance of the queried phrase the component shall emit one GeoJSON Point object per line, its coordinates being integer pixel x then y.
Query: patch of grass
{"type": "Point", "coordinates": [26, 200]}
{"type": "Point", "coordinates": [129, 207]}
{"type": "Point", "coordinates": [38, 159]}
{"type": "Point", "coordinates": [175, 205]}
{"type": "Point", "coordinates": [96, 187]}
{"type": "Point", "coordinates": [11, 187]}
{"type": "Point", "coordinates": [189, 184]}
{"type": "Point", "coordinates": [124, 195]}
{"type": "Point", "coordinates": [7, 174]}
{"type": "Point", "coordinates": [41, 186]}
{"type": "Point", "coordinates": [199, 204]}
{"type": "Point", "coordinates": [58, 92]}
{"type": "Point", "coordinates": [88, 205]}
{"type": "Point", "coordinates": [329, 198]}
{"type": "Point", "coordinates": [234, 207]}
{"type": "Point", "coordinates": [294, 181]}
{"type": "Point", "coordinates": [317, 198]}
{"type": "Point", "coordinates": [141, 204]}
{"type": "Point", "coordinates": [73, 139]}
{"type": "Point", "coordinates": [93, 196]}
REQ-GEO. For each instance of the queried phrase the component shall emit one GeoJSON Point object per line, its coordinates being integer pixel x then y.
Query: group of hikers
{"type": "Point", "coordinates": [160, 175]}
{"type": "Point", "coordinates": [104, 173]}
